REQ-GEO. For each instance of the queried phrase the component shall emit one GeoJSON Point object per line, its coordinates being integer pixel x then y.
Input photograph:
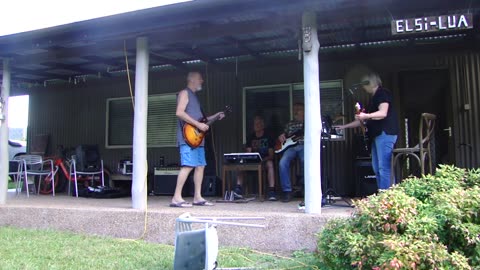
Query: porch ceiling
{"type": "Point", "coordinates": [217, 31]}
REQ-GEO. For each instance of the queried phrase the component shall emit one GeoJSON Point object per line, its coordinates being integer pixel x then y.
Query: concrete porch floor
{"type": "Point", "coordinates": [288, 228]}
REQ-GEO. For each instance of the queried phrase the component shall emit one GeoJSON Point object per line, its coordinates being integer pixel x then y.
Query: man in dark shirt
{"type": "Point", "coordinates": [381, 122]}
{"type": "Point", "coordinates": [294, 127]}
{"type": "Point", "coordinates": [261, 142]}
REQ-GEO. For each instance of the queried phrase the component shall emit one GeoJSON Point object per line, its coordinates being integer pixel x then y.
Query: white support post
{"type": "Point", "coordinates": [5, 93]}
{"type": "Point", "coordinates": [313, 123]}
{"type": "Point", "coordinates": [139, 177]}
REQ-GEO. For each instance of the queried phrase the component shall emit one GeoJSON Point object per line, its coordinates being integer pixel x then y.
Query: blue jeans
{"type": "Point", "coordinates": [288, 156]}
{"type": "Point", "coordinates": [382, 147]}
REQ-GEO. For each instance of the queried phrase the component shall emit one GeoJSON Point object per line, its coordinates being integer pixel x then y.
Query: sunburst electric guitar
{"type": "Point", "coordinates": [193, 136]}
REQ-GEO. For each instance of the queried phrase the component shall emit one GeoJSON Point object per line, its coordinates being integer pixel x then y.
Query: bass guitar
{"type": "Point", "coordinates": [193, 136]}
{"type": "Point", "coordinates": [289, 142]}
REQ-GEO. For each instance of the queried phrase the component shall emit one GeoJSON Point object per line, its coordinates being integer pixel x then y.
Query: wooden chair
{"type": "Point", "coordinates": [422, 150]}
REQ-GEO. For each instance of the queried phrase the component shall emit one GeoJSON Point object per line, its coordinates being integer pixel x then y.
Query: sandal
{"type": "Point", "coordinates": [183, 204]}
{"type": "Point", "coordinates": [203, 203]}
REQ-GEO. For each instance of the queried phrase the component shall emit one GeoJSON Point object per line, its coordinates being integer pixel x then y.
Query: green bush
{"type": "Point", "coordinates": [432, 222]}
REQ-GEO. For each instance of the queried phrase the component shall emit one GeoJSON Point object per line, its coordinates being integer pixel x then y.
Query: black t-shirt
{"type": "Point", "coordinates": [390, 123]}
{"type": "Point", "coordinates": [260, 144]}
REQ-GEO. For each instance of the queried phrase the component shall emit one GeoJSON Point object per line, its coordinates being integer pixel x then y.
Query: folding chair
{"type": "Point", "coordinates": [75, 172]}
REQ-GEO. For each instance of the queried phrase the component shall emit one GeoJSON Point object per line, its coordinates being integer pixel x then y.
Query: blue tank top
{"type": "Point", "coordinates": [194, 110]}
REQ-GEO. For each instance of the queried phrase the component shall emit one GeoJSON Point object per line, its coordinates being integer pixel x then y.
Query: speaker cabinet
{"type": "Point", "coordinates": [210, 186]}
{"type": "Point", "coordinates": [165, 181]}
{"type": "Point", "coordinates": [365, 179]}
{"type": "Point", "coordinates": [87, 158]}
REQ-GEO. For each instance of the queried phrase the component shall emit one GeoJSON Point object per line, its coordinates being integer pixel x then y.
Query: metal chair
{"type": "Point", "coordinates": [34, 165]}
{"type": "Point", "coordinates": [15, 171]}
{"type": "Point", "coordinates": [74, 173]}
{"type": "Point", "coordinates": [198, 249]}
{"type": "Point", "coordinates": [422, 150]}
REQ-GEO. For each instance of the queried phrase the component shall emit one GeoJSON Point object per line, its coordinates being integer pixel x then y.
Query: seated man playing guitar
{"type": "Point", "coordinates": [293, 129]}
{"type": "Point", "coordinates": [259, 141]}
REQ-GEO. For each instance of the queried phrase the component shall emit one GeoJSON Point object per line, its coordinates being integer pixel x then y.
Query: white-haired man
{"type": "Point", "coordinates": [189, 111]}
{"type": "Point", "coordinates": [382, 127]}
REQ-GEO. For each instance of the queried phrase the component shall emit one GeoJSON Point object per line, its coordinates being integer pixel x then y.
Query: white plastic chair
{"type": "Point", "coordinates": [74, 172]}
{"type": "Point", "coordinates": [34, 165]}
{"type": "Point", "coordinates": [15, 171]}
{"type": "Point", "coordinates": [198, 249]}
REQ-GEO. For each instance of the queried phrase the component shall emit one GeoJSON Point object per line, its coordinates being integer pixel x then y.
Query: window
{"type": "Point", "coordinates": [161, 122]}
{"type": "Point", "coordinates": [275, 102]}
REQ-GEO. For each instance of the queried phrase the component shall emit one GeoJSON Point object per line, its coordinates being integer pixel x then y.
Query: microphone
{"type": "Point", "coordinates": [351, 92]}
{"type": "Point", "coordinates": [360, 84]}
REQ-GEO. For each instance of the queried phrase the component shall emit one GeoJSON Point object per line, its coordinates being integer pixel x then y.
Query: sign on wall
{"type": "Point", "coordinates": [432, 24]}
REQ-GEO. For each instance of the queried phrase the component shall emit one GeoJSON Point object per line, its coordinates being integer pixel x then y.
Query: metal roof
{"type": "Point", "coordinates": [217, 31]}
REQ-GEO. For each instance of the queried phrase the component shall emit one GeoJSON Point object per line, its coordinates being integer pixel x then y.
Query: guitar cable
{"type": "Point", "coordinates": [212, 138]}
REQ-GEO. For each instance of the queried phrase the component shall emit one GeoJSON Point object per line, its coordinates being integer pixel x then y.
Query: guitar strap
{"type": "Point", "coordinates": [203, 114]}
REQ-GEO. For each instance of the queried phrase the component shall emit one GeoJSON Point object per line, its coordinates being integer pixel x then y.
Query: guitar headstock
{"type": "Point", "coordinates": [358, 108]}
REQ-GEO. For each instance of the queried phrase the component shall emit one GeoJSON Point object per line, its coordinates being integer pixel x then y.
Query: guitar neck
{"type": "Point", "coordinates": [211, 121]}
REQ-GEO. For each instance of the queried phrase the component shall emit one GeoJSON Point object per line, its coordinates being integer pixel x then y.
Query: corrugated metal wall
{"type": "Point", "coordinates": [75, 114]}
{"type": "Point", "coordinates": [228, 133]}
{"type": "Point", "coordinates": [465, 74]}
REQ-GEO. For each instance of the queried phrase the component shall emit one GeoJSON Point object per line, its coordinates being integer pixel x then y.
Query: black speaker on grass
{"type": "Point", "coordinates": [365, 179]}
{"type": "Point", "coordinates": [87, 158]}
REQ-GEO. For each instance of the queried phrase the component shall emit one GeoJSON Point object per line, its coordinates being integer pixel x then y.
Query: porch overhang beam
{"type": "Point", "coordinates": [165, 60]}
{"type": "Point", "coordinates": [245, 48]}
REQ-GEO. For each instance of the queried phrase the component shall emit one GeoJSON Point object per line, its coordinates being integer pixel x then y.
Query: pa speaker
{"type": "Point", "coordinates": [210, 186]}
{"type": "Point", "coordinates": [365, 179]}
{"type": "Point", "coordinates": [87, 158]}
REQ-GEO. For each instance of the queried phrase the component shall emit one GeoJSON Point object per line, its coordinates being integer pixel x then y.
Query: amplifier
{"type": "Point", "coordinates": [165, 180]}
{"type": "Point", "coordinates": [365, 179]}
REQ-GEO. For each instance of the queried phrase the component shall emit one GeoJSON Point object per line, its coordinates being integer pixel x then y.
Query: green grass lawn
{"type": "Point", "coordinates": [11, 184]}
{"type": "Point", "coordinates": [40, 249]}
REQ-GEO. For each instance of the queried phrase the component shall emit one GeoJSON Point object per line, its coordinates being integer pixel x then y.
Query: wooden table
{"type": "Point", "coordinates": [229, 168]}
{"type": "Point", "coordinates": [119, 177]}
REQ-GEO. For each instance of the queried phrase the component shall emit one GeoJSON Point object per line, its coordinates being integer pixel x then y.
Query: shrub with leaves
{"type": "Point", "coordinates": [432, 222]}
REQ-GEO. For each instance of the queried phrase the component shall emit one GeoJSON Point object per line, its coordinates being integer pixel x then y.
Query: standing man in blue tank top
{"type": "Point", "coordinates": [189, 111]}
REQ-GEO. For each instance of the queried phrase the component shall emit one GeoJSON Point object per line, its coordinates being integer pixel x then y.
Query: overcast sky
{"type": "Point", "coordinates": [25, 15]}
